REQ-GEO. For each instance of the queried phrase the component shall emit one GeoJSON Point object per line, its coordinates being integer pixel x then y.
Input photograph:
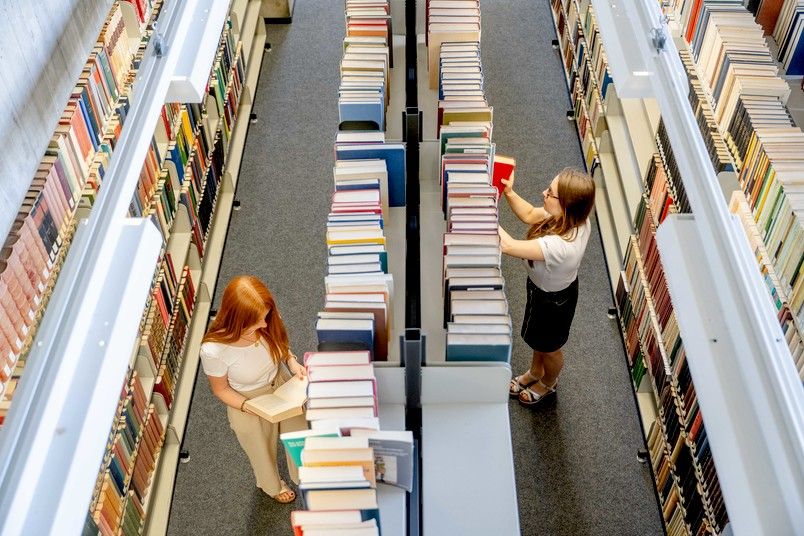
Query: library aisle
{"type": "Point", "coordinates": [576, 460]}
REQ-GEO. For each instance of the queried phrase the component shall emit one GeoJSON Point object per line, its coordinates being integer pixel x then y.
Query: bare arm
{"type": "Point", "coordinates": [523, 210]}
{"type": "Point", "coordinates": [523, 249]}
{"type": "Point", "coordinates": [224, 392]}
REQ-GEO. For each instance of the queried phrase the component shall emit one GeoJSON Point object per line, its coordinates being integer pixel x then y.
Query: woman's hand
{"type": "Point", "coordinates": [296, 369]}
{"type": "Point", "coordinates": [508, 183]}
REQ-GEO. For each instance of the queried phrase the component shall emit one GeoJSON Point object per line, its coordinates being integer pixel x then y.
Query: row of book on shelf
{"type": "Point", "coordinates": [72, 167]}
{"type": "Point", "coordinates": [364, 91]}
{"type": "Point", "coordinates": [476, 317]}
{"type": "Point", "coordinates": [178, 189]}
{"type": "Point", "coordinates": [476, 313]}
{"type": "Point", "coordinates": [685, 474]}
{"type": "Point", "coordinates": [750, 99]}
{"type": "Point", "coordinates": [344, 456]}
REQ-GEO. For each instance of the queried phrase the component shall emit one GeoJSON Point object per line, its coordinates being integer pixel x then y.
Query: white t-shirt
{"type": "Point", "coordinates": [248, 367]}
{"type": "Point", "coordinates": [561, 260]}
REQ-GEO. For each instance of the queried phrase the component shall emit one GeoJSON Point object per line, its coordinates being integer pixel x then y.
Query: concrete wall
{"type": "Point", "coordinates": [43, 47]}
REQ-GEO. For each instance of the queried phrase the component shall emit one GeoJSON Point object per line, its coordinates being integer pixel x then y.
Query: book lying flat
{"type": "Point", "coordinates": [294, 441]}
{"type": "Point", "coordinates": [286, 402]}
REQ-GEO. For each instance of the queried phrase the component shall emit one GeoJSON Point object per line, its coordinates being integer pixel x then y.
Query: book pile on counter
{"type": "Point", "coordinates": [475, 306]}
{"type": "Point", "coordinates": [344, 455]}
{"type": "Point", "coordinates": [367, 55]}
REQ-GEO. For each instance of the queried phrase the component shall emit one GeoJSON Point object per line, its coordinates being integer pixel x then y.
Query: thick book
{"type": "Point", "coordinates": [286, 402]}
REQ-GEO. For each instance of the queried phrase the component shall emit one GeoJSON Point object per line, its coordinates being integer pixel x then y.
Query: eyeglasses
{"type": "Point", "coordinates": [548, 193]}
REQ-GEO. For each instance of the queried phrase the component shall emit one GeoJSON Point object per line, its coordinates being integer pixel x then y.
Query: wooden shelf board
{"type": "Point", "coordinates": [620, 214]}
{"type": "Point", "coordinates": [432, 219]}
{"type": "Point", "coordinates": [627, 165]}
{"type": "Point", "coordinates": [396, 103]}
{"type": "Point", "coordinates": [189, 367]}
{"type": "Point", "coordinates": [611, 248]}
{"type": "Point", "coordinates": [157, 502]}
{"type": "Point", "coordinates": [428, 98]}
{"type": "Point", "coordinates": [396, 244]}
{"type": "Point", "coordinates": [250, 28]}
{"type": "Point", "coordinates": [238, 141]}
{"type": "Point", "coordinates": [640, 132]}
{"type": "Point", "coordinates": [647, 409]}
{"type": "Point", "coordinates": [238, 13]}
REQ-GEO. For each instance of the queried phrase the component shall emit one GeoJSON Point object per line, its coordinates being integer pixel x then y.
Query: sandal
{"type": "Point", "coordinates": [533, 397]}
{"type": "Point", "coordinates": [285, 495]}
{"type": "Point", "coordinates": [517, 386]}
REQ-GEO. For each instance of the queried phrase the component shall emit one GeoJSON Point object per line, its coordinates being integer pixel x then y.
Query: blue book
{"type": "Point", "coordinates": [354, 333]}
{"type": "Point", "coordinates": [478, 347]}
{"type": "Point", "coordinates": [363, 111]}
{"type": "Point", "coordinates": [394, 156]}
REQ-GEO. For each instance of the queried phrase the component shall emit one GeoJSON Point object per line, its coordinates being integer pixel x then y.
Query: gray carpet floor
{"type": "Point", "coordinates": [576, 459]}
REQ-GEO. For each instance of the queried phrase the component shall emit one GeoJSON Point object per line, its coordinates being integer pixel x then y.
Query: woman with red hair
{"type": "Point", "coordinates": [242, 354]}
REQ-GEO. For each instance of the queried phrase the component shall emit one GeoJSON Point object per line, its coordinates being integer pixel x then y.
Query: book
{"type": "Point", "coordinates": [503, 168]}
{"type": "Point", "coordinates": [294, 441]}
{"type": "Point", "coordinates": [285, 402]}
{"type": "Point", "coordinates": [393, 456]}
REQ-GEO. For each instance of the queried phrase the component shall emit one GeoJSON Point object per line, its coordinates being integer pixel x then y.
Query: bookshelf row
{"type": "Point", "coordinates": [742, 118]}
{"type": "Point", "coordinates": [186, 187]}
{"type": "Point", "coordinates": [63, 188]}
{"type": "Point", "coordinates": [360, 320]}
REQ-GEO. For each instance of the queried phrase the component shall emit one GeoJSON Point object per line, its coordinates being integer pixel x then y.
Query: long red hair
{"type": "Point", "coordinates": [244, 301]}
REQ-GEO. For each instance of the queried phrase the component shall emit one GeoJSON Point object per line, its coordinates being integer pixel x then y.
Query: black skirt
{"type": "Point", "coordinates": [548, 316]}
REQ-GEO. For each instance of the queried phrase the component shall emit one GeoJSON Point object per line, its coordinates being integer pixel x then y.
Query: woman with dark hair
{"type": "Point", "coordinates": [244, 354]}
{"type": "Point", "coordinates": [553, 249]}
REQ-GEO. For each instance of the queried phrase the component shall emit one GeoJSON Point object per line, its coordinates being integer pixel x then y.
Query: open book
{"type": "Point", "coordinates": [286, 402]}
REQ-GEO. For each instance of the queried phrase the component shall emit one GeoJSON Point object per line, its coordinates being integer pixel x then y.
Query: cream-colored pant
{"type": "Point", "coordinates": [259, 439]}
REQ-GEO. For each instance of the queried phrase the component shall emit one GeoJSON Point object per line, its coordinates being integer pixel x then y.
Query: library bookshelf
{"type": "Point", "coordinates": [627, 150]}
{"type": "Point", "coordinates": [198, 150]}
{"type": "Point", "coordinates": [247, 25]}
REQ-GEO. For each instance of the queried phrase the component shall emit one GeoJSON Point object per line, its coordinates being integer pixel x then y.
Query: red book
{"type": "Point", "coordinates": [504, 167]}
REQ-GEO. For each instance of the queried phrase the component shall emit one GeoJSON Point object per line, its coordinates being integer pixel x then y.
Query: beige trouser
{"type": "Point", "coordinates": [259, 439]}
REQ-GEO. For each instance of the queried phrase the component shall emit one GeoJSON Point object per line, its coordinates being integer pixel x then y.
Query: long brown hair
{"type": "Point", "coordinates": [242, 305]}
{"type": "Point", "coordinates": [576, 195]}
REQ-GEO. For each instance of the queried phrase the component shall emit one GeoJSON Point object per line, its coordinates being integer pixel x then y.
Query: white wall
{"type": "Point", "coordinates": [43, 47]}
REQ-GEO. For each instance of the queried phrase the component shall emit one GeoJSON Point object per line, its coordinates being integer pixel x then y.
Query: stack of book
{"type": "Point", "coordinates": [370, 146]}
{"type": "Point", "coordinates": [475, 307]}
{"type": "Point", "coordinates": [344, 454]}
{"type": "Point", "coordinates": [720, 35]}
{"type": "Point", "coordinates": [359, 290]}
{"type": "Point", "coordinates": [342, 390]}
{"type": "Point", "coordinates": [364, 90]}
{"type": "Point", "coordinates": [449, 21]}
{"type": "Point", "coordinates": [72, 166]}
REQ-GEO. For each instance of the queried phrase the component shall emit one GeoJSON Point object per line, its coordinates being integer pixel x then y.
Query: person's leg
{"type": "Point", "coordinates": [553, 362]}
{"type": "Point", "coordinates": [537, 365]}
{"type": "Point", "coordinates": [252, 438]}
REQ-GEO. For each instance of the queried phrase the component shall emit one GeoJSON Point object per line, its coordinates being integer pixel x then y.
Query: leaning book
{"type": "Point", "coordinates": [286, 402]}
